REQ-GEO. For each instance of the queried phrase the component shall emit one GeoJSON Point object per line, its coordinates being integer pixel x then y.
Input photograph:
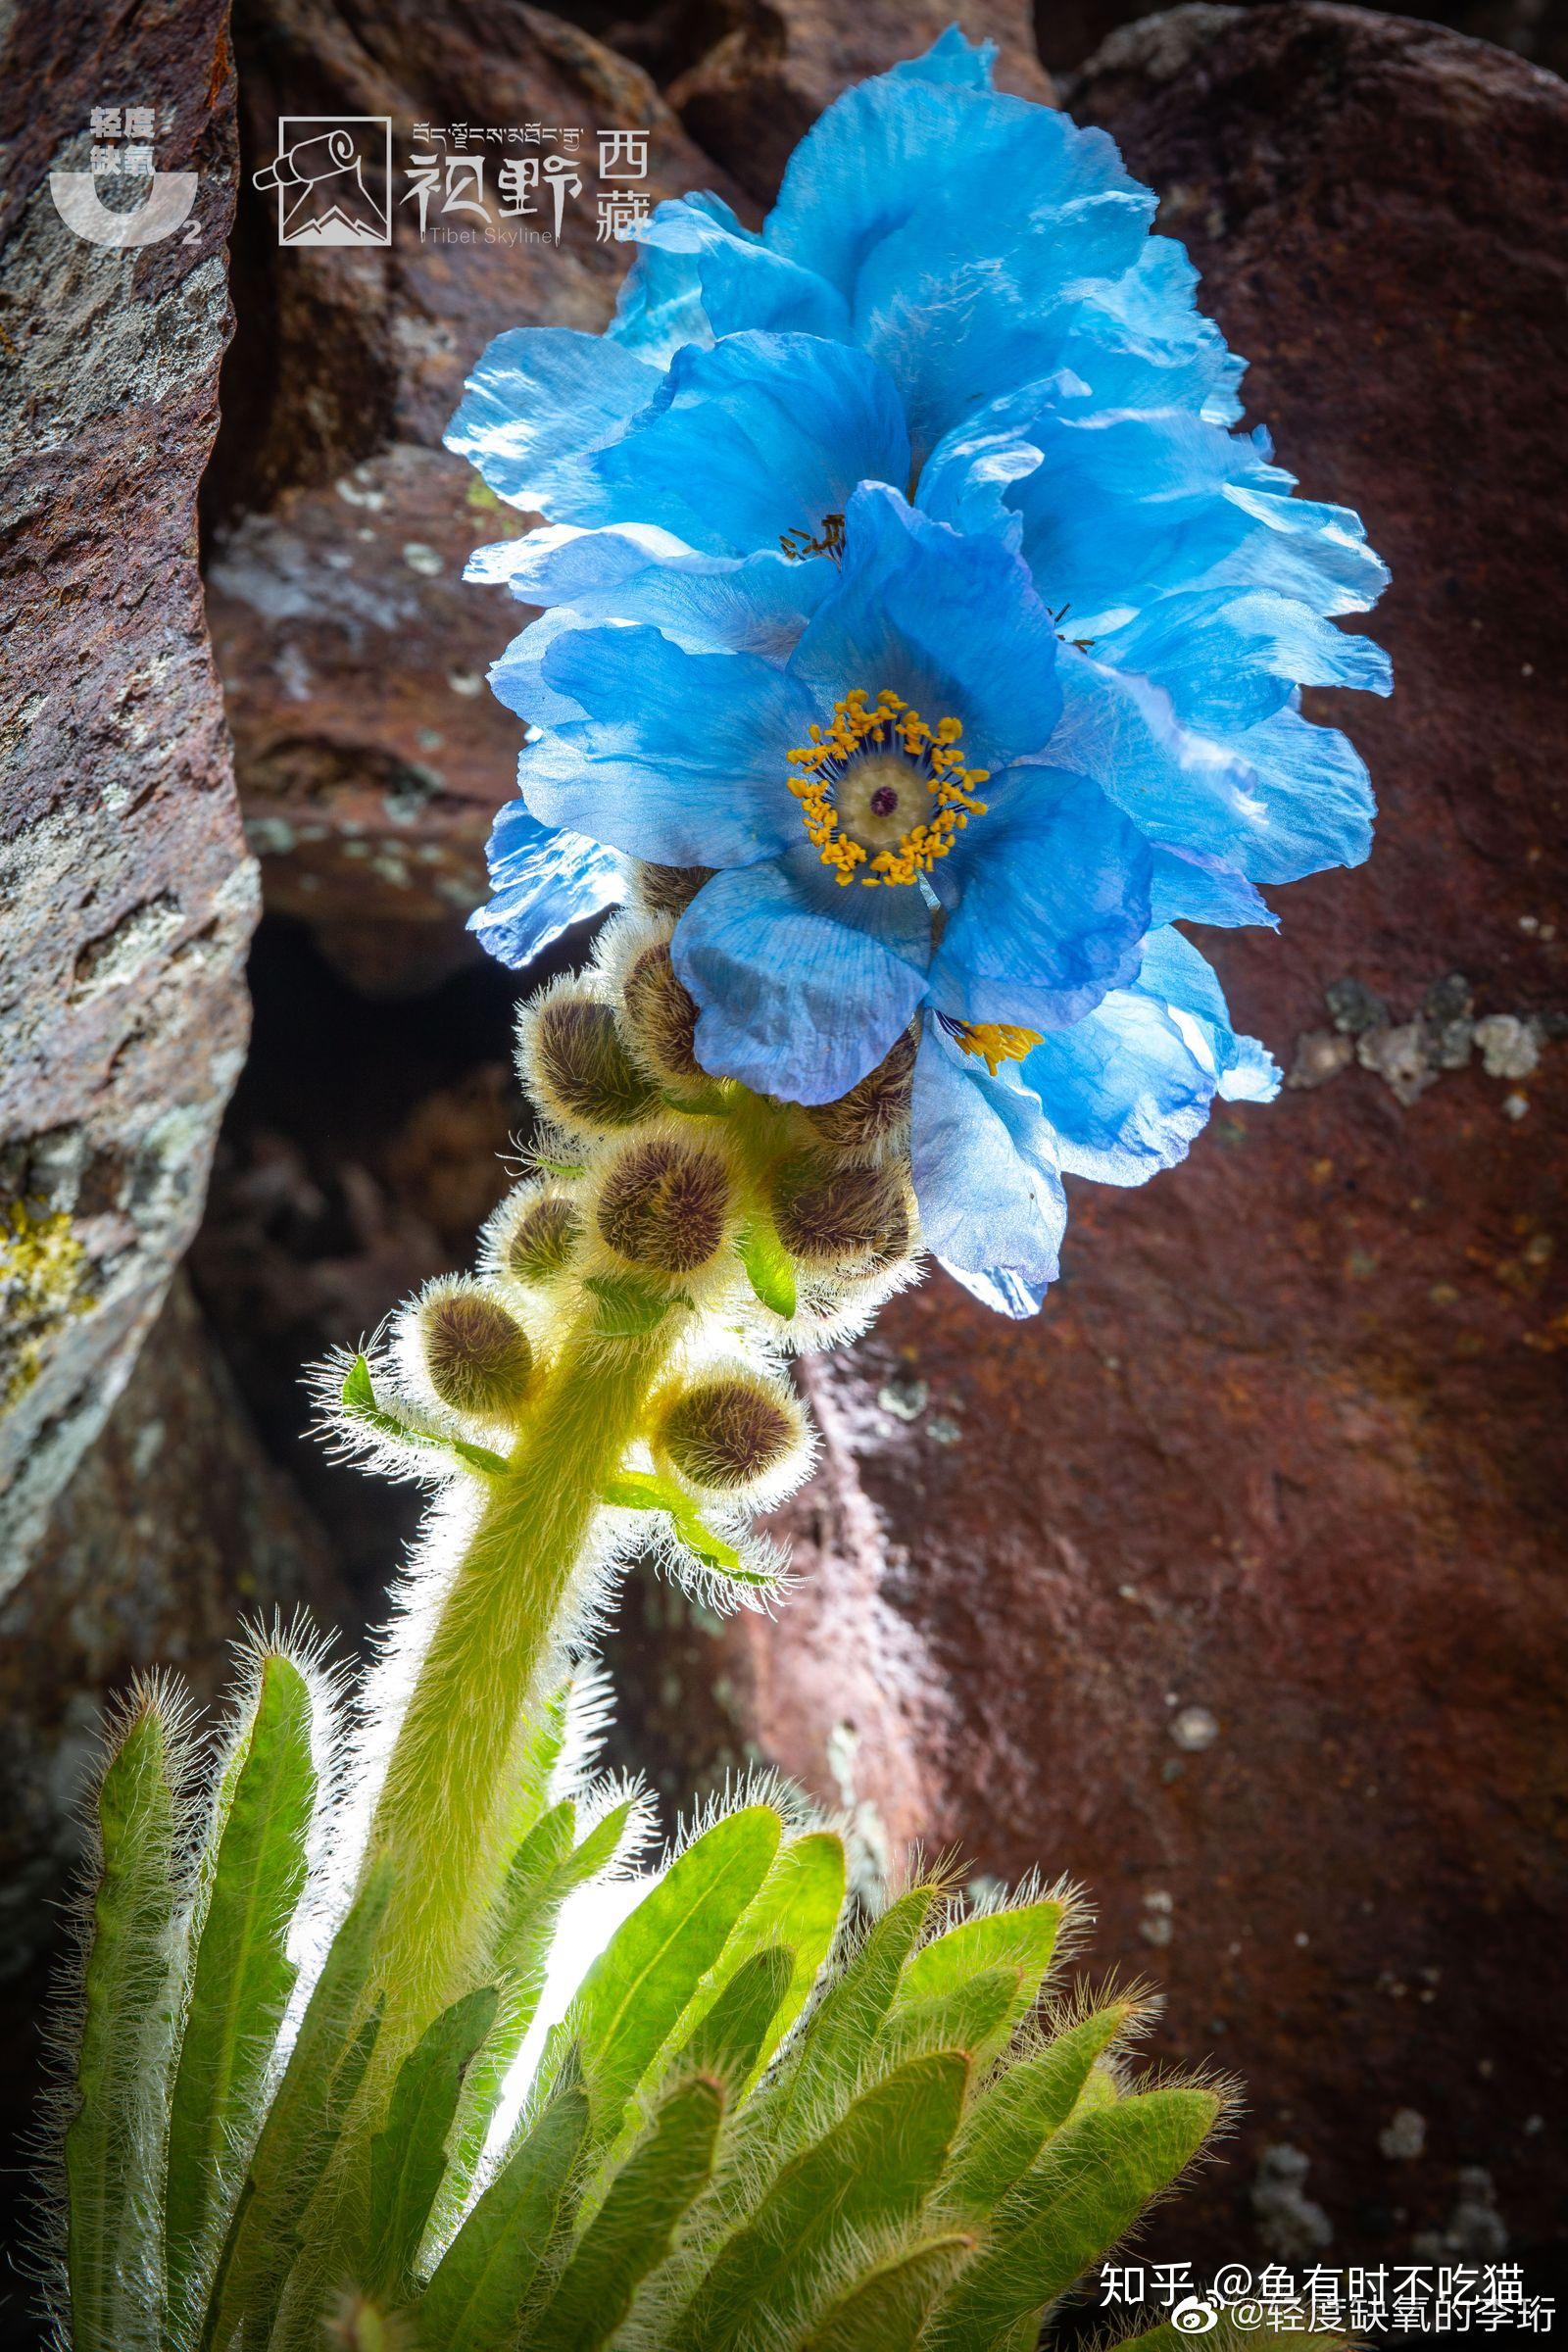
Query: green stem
{"type": "Point", "coordinates": [447, 1804]}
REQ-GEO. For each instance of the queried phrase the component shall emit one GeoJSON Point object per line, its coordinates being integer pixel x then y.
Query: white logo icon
{"type": "Point", "coordinates": [322, 197]}
{"type": "Point", "coordinates": [165, 208]}
{"type": "Point", "coordinates": [1193, 2317]}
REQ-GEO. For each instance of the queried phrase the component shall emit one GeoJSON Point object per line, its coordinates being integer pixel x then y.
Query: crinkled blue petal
{"type": "Point", "coordinates": [762, 436]}
{"type": "Point", "coordinates": [682, 757]}
{"type": "Point", "coordinates": [1175, 974]}
{"type": "Point", "coordinates": [541, 881]}
{"type": "Point", "coordinates": [538, 405]}
{"type": "Point", "coordinates": [1229, 658]}
{"type": "Point", "coordinates": [991, 1201]}
{"type": "Point", "coordinates": [753, 604]}
{"type": "Point", "coordinates": [1186, 888]}
{"type": "Point", "coordinates": [1122, 1092]}
{"type": "Point", "coordinates": [951, 623]}
{"type": "Point", "coordinates": [700, 274]}
{"type": "Point", "coordinates": [795, 1001]}
{"type": "Point", "coordinates": [1053, 904]}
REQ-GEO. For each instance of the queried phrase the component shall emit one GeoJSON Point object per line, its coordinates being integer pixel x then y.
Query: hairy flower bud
{"type": "Point", "coordinates": [664, 1203]}
{"type": "Point", "coordinates": [477, 1357]}
{"type": "Point", "coordinates": [537, 1238]}
{"type": "Point", "coordinates": [840, 1218]}
{"type": "Point", "coordinates": [668, 889]}
{"type": "Point", "coordinates": [579, 1066]}
{"type": "Point", "coordinates": [730, 1433]}
{"type": "Point", "coordinates": [874, 1110]}
{"type": "Point", "coordinates": [663, 1016]}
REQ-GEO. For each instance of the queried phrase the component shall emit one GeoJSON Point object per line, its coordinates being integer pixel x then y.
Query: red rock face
{"type": "Point", "coordinates": [1233, 1585]}
{"type": "Point", "coordinates": [127, 895]}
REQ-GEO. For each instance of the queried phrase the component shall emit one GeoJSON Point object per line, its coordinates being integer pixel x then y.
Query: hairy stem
{"type": "Point", "coordinates": [446, 1802]}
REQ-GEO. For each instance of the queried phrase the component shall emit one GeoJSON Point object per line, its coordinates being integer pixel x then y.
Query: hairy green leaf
{"type": "Point", "coordinates": [1226, 2336]}
{"type": "Point", "coordinates": [968, 2017]}
{"type": "Point", "coordinates": [475, 2299]}
{"type": "Point", "coordinates": [242, 1976]}
{"type": "Point", "coordinates": [1092, 2181]}
{"type": "Point", "coordinates": [836, 2039]}
{"type": "Point", "coordinates": [360, 1403]}
{"type": "Point", "coordinates": [886, 2310]}
{"type": "Point", "coordinates": [1014, 2117]}
{"type": "Point", "coordinates": [113, 2146]}
{"type": "Point", "coordinates": [641, 1987]}
{"type": "Point", "coordinates": [876, 2167]}
{"type": "Point", "coordinates": [303, 2123]}
{"type": "Point", "coordinates": [641, 1491]}
{"type": "Point", "coordinates": [799, 1904]}
{"type": "Point", "coordinates": [769, 1268]}
{"type": "Point", "coordinates": [628, 1308]}
{"type": "Point", "coordinates": [635, 2226]}
{"type": "Point", "coordinates": [1022, 1938]}
{"type": "Point", "coordinates": [729, 2035]}
{"type": "Point", "coordinates": [409, 2154]}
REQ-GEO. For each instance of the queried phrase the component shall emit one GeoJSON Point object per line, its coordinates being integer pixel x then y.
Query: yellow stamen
{"type": "Point", "coordinates": [993, 1042]}
{"type": "Point", "coordinates": [886, 730]}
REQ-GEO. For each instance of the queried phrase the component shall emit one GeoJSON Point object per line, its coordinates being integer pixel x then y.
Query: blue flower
{"type": "Point", "coordinates": [962, 760]}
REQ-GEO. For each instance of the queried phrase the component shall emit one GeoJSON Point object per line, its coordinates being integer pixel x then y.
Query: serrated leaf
{"type": "Point", "coordinates": [769, 1268]}
{"type": "Point", "coordinates": [241, 1979]}
{"type": "Point", "coordinates": [358, 1402]}
{"type": "Point", "coordinates": [641, 1987]}
{"type": "Point", "coordinates": [113, 2146]}
{"type": "Point", "coordinates": [303, 2123]}
{"type": "Point", "coordinates": [1014, 2117]}
{"type": "Point", "coordinates": [1022, 1937]}
{"type": "Point", "coordinates": [635, 2226]}
{"type": "Point", "coordinates": [1089, 2188]}
{"type": "Point", "coordinates": [728, 2037]}
{"type": "Point", "coordinates": [886, 2310]}
{"type": "Point", "coordinates": [641, 1491]}
{"type": "Point", "coordinates": [409, 2155]}
{"type": "Point", "coordinates": [474, 2301]}
{"type": "Point", "coordinates": [873, 2170]}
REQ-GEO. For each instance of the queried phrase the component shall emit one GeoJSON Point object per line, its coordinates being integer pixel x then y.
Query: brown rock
{"type": "Point", "coordinates": [370, 754]}
{"type": "Point", "coordinates": [762, 84]}
{"type": "Point", "coordinates": [1233, 1585]}
{"type": "Point", "coordinates": [128, 898]}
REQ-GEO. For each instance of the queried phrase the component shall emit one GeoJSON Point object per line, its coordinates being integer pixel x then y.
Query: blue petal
{"type": "Point", "coordinates": [540, 882]}
{"type": "Point", "coordinates": [951, 623]}
{"type": "Point", "coordinates": [991, 1201]}
{"type": "Point", "coordinates": [1187, 888]}
{"type": "Point", "coordinates": [538, 405]}
{"type": "Point", "coordinates": [762, 436]}
{"type": "Point", "coordinates": [1228, 658]}
{"type": "Point", "coordinates": [1122, 1092]}
{"type": "Point", "coordinates": [756, 603]}
{"type": "Point", "coordinates": [683, 757]}
{"type": "Point", "coordinates": [700, 274]}
{"type": "Point", "coordinates": [795, 999]}
{"type": "Point", "coordinates": [1053, 905]}
{"type": "Point", "coordinates": [1178, 978]}
{"type": "Point", "coordinates": [952, 62]}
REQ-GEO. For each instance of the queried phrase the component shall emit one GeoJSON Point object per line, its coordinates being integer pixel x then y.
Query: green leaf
{"type": "Point", "coordinates": [474, 2301]}
{"type": "Point", "coordinates": [243, 1976]}
{"type": "Point", "coordinates": [358, 1402]}
{"type": "Point", "coordinates": [1226, 2336]}
{"type": "Point", "coordinates": [874, 2168]}
{"type": "Point", "coordinates": [839, 2035]}
{"type": "Point", "coordinates": [1090, 2186]}
{"type": "Point", "coordinates": [1014, 2117]}
{"type": "Point", "coordinates": [799, 1904]}
{"type": "Point", "coordinates": [769, 1268]}
{"type": "Point", "coordinates": [728, 2037]}
{"type": "Point", "coordinates": [303, 2123]}
{"type": "Point", "coordinates": [886, 2310]}
{"type": "Point", "coordinates": [633, 2229]}
{"type": "Point", "coordinates": [968, 2018]}
{"type": "Point", "coordinates": [409, 2155]}
{"type": "Point", "coordinates": [113, 2146]}
{"type": "Point", "coordinates": [640, 1491]}
{"type": "Point", "coordinates": [1022, 1938]}
{"type": "Point", "coordinates": [641, 1987]}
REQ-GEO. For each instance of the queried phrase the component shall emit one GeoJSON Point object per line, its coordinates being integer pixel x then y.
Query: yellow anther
{"type": "Point", "coordinates": [996, 1042]}
{"type": "Point", "coordinates": [885, 731]}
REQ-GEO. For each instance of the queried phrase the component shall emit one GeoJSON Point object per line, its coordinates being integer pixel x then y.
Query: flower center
{"type": "Point", "coordinates": [992, 1041]}
{"type": "Point", "coordinates": [884, 796]}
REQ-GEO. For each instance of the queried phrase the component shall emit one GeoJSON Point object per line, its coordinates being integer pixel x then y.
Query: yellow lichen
{"type": "Point", "coordinates": [42, 1284]}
